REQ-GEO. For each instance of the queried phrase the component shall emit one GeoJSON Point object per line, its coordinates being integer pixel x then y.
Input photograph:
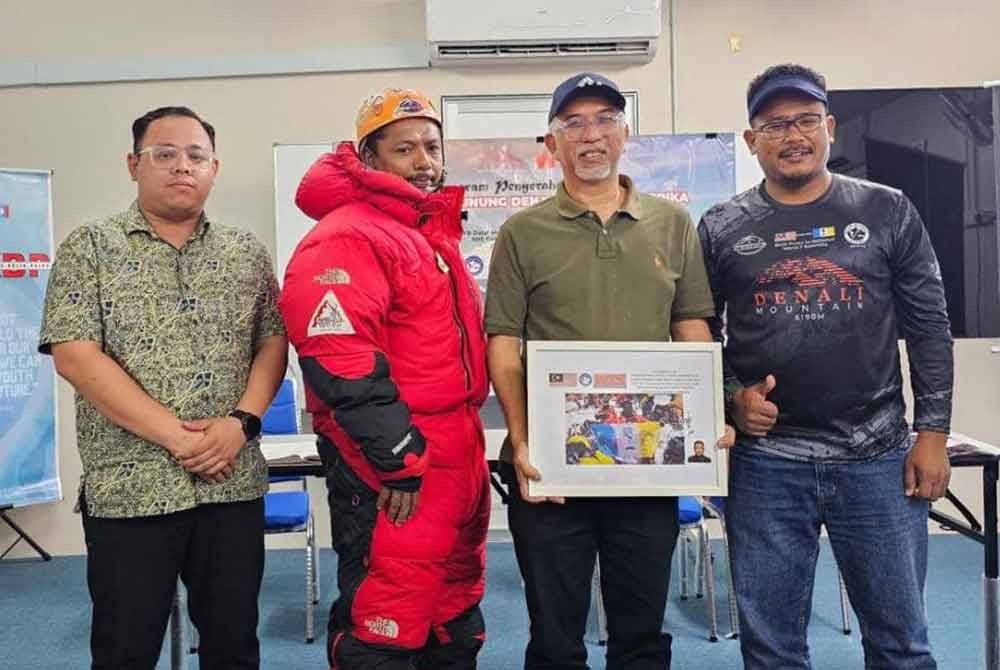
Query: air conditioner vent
{"type": "Point", "coordinates": [641, 50]}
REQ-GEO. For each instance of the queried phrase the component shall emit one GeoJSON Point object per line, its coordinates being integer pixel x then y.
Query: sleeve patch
{"type": "Point", "coordinates": [329, 318]}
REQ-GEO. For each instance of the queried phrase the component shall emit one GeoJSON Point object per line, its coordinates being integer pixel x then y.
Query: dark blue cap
{"type": "Point", "coordinates": [787, 84]}
{"type": "Point", "coordinates": [585, 84]}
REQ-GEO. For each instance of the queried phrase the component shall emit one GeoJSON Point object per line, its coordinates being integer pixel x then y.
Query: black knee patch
{"type": "Point", "coordinates": [454, 645]}
{"type": "Point", "coordinates": [349, 653]}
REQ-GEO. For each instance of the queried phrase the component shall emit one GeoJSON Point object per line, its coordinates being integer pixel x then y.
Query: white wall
{"type": "Point", "coordinates": [82, 130]}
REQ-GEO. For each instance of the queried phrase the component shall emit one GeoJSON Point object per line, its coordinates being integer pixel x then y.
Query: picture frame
{"type": "Point", "coordinates": [610, 419]}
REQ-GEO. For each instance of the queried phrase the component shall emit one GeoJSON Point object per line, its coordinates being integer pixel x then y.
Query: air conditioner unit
{"type": "Point", "coordinates": [461, 32]}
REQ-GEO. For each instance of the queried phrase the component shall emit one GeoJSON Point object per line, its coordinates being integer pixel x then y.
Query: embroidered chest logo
{"type": "Point", "coordinates": [329, 318]}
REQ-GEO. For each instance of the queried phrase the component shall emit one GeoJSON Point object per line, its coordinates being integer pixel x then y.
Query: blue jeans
{"type": "Point", "coordinates": [879, 538]}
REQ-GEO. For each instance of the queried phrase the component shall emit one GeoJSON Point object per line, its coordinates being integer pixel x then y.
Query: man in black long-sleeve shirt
{"type": "Point", "coordinates": [813, 276]}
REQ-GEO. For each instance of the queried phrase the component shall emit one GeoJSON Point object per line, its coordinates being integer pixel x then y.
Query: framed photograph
{"type": "Point", "coordinates": [626, 418]}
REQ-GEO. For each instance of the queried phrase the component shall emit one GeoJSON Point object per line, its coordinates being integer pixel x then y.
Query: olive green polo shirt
{"type": "Point", "coordinates": [558, 274]}
{"type": "Point", "coordinates": [185, 324]}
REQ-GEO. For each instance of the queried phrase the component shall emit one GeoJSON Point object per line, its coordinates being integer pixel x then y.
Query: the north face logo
{"type": "Point", "coordinates": [383, 627]}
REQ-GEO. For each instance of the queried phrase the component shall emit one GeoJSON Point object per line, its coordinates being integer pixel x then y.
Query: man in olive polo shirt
{"type": "Point", "coordinates": [165, 323]}
{"type": "Point", "coordinates": [598, 261]}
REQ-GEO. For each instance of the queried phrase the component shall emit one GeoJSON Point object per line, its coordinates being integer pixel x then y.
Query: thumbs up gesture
{"type": "Point", "coordinates": [753, 413]}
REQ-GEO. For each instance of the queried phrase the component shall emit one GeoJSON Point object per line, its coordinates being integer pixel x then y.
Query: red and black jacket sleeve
{"type": "Point", "coordinates": [335, 300]}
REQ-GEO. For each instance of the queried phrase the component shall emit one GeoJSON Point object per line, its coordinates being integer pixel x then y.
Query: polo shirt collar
{"type": "Point", "coordinates": [136, 222]}
{"type": "Point", "coordinates": [569, 208]}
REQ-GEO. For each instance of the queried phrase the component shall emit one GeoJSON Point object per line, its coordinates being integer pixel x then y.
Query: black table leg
{"type": "Point", "coordinates": [991, 586]}
{"type": "Point", "coordinates": [23, 536]}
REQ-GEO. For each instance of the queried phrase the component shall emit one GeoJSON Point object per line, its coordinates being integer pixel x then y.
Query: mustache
{"type": "Point", "coordinates": [797, 149]}
{"type": "Point", "coordinates": [583, 150]}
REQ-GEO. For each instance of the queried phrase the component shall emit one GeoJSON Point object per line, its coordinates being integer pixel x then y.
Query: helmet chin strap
{"type": "Point", "coordinates": [440, 182]}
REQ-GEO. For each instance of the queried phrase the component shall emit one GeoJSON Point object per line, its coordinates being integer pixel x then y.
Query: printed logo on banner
{"type": "Point", "coordinates": [14, 265]}
{"type": "Point", "coordinates": [475, 265]}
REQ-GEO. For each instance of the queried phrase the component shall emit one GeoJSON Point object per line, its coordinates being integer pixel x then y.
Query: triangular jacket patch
{"type": "Point", "coordinates": [329, 318]}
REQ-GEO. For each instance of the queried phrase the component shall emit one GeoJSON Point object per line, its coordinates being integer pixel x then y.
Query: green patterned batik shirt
{"type": "Point", "coordinates": [185, 324]}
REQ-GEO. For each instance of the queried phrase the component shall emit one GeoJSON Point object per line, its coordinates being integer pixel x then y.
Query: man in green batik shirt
{"type": "Point", "coordinates": [165, 323]}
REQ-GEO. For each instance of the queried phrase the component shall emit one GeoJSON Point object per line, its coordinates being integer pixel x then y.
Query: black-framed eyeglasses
{"type": "Point", "coordinates": [165, 156]}
{"type": "Point", "coordinates": [806, 123]}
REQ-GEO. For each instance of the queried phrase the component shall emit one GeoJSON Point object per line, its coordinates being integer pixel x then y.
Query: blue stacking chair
{"type": "Point", "coordinates": [289, 511]}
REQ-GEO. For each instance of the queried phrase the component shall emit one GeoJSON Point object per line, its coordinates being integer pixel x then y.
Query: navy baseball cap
{"type": "Point", "coordinates": [787, 84]}
{"type": "Point", "coordinates": [585, 84]}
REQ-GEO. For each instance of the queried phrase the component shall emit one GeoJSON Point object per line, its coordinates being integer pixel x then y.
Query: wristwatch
{"type": "Point", "coordinates": [250, 422]}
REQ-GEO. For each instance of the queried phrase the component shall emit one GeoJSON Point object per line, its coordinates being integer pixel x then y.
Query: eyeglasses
{"type": "Point", "coordinates": [806, 124]}
{"type": "Point", "coordinates": [164, 156]}
{"type": "Point", "coordinates": [576, 126]}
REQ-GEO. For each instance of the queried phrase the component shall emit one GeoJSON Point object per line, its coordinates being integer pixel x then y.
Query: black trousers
{"type": "Point", "coordinates": [556, 546]}
{"type": "Point", "coordinates": [132, 570]}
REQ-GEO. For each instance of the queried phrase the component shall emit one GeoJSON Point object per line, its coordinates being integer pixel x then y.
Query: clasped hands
{"type": "Point", "coordinates": [208, 447]}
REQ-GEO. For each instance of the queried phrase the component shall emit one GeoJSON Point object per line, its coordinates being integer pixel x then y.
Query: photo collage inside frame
{"type": "Point", "coordinates": [628, 429]}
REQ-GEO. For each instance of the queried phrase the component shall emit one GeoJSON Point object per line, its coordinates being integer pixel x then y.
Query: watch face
{"type": "Point", "coordinates": [250, 422]}
{"type": "Point", "coordinates": [251, 426]}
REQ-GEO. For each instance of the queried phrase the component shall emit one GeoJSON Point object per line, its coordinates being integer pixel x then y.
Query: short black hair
{"type": "Point", "coordinates": [140, 125]}
{"type": "Point", "coordinates": [784, 70]}
{"type": "Point", "coordinates": [370, 140]}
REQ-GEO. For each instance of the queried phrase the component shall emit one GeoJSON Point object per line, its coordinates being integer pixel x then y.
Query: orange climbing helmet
{"type": "Point", "coordinates": [389, 106]}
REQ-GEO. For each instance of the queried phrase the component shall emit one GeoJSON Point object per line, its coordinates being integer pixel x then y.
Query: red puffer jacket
{"type": "Point", "coordinates": [387, 322]}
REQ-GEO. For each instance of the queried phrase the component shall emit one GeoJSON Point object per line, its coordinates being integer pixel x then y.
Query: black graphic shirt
{"type": "Point", "coordinates": [817, 295]}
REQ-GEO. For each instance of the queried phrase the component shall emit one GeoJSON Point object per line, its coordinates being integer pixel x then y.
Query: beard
{"type": "Point", "coordinates": [794, 182]}
{"type": "Point", "coordinates": [596, 173]}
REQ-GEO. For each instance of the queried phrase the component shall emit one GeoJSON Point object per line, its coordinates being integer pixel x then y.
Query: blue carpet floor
{"type": "Point", "coordinates": [45, 611]}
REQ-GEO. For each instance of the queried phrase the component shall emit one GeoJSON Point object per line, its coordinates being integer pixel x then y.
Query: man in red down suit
{"type": "Point", "coordinates": [386, 321]}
